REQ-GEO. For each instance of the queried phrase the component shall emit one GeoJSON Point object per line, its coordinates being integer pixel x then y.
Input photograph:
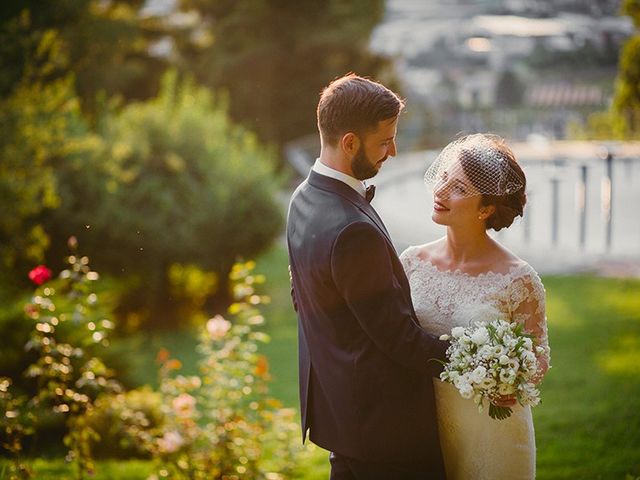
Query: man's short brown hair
{"type": "Point", "coordinates": [354, 104]}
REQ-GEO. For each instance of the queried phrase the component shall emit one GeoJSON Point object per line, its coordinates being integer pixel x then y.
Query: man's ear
{"type": "Point", "coordinates": [350, 143]}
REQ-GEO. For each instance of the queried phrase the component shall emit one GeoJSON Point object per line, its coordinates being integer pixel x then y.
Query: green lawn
{"type": "Point", "coordinates": [588, 426]}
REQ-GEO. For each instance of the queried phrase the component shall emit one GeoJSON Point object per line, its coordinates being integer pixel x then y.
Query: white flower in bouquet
{"type": "Point", "coordinates": [480, 336]}
{"type": "Point", "coordinates": [490, 359]}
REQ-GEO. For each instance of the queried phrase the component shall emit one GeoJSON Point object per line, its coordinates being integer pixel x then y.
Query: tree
{"type": "Point", "coordinates": [274, 56]}
{"type": "Point", "coordinates": [105, 44]}
{"type": "Point", "coordinates": [627, 97]}
{"type": "Point", "coordinates": [41, 128]}
{"type": "Point", "coordinates": [510, 90]}
{"type": "Point", "coordinates": [173, 182]}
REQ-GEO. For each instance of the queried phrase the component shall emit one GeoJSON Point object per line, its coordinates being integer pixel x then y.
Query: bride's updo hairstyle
{"type": "Point", "coordinates": [511, 203]}
{"type": "Point", "coordinates": [485, 161]}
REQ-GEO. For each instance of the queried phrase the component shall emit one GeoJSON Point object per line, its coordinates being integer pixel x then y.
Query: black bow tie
{"type": "Point", "coordinates": [370, 192]}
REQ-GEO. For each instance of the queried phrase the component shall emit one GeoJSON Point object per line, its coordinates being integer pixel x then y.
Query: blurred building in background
{"type": "Point", "coordinates": [515, 67]}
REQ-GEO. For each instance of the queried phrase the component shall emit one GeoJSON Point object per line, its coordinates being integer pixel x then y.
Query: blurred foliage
{"type": "Point", "coordinates": [119, 419]}
{"type": "Point", "coordinates": [105, 45]}
{"type": "Point", "coordinates": [41, 129]}
{"type": "Point", "coordinates": [272, 56]}
{"type": "Point", "coordinates": [67, 330]}
{"type": "Point", "coordinates": [275, 56]}
{"type": "Point", "coordinates": [627, 97]}
{"type": "Point", "coordinates": [169, 192]}
{"type": "Point", "coordinates": [622, 120]}
{"type": "Point", "coordinates": [223, 424]}
{"type": "Point", "coordinates": [606, 125]}
{"type": "Point", "coordinates": [172, 182]}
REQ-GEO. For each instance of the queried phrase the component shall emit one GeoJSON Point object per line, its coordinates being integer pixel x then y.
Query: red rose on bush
{"type": "Point", "coordinates": [40, 274]}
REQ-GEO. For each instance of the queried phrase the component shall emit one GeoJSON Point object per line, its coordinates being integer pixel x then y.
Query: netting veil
{"type": "Point", "coordinates": [473, 165]}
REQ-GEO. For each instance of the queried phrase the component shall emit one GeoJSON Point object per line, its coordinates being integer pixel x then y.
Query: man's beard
{"type": "Point", "coordinates": [361, 167]}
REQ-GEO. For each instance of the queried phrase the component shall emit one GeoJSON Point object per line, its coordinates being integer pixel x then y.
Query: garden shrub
{"type": "Point", "coordinates": [173, 182]}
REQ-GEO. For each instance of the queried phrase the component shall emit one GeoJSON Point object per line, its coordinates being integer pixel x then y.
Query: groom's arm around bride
{"type": "Point", "coordinates": [366, 387]}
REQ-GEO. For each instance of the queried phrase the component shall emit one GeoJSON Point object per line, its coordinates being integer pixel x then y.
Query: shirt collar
{"type": "Point", "coordinates": [354, 183]}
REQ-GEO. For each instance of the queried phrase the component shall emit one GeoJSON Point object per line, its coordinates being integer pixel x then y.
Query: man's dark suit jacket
{"type": "Point", "coordinates": [366, 388]}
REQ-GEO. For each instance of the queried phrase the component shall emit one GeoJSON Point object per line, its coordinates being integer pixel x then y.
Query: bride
{"type": "Point", "coordinates": [478, 185]}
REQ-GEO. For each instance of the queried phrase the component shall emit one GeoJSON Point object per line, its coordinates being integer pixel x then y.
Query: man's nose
{"type": "Point", "coordinates": [391, 151]}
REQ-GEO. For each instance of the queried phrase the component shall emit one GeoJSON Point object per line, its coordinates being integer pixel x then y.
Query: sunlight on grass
{"type": "Point", "coordinates": [623, 358]}
{"type": "Point", "coordinates": [587, 426]}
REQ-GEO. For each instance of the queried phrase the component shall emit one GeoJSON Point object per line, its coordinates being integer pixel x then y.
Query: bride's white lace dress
{"type": "Point", "coordinates": [474, 445]}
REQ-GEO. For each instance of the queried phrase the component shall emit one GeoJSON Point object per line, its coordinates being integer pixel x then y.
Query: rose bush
{"type": "Point", "coordinates": [223, 424]}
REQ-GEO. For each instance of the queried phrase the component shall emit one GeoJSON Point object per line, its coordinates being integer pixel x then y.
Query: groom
{"type": "Point", "coordinates": [366, 388]}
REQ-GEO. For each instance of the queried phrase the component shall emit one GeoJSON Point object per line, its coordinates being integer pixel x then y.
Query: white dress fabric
{"type": "Point", "coordinates": [475, 446]}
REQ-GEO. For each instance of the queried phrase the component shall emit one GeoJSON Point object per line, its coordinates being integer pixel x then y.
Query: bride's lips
{"type": "Point", "coordinates": [439, 207]}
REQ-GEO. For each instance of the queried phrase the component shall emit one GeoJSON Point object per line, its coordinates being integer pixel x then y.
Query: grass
{"type": "Point", "coordinates": [58, 469]}
{"type": "Point", "coordinates": [588, 426]}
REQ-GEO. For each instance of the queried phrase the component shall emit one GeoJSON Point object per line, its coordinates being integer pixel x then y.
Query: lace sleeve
{"type": "Point", "coordinates": [527, 304]}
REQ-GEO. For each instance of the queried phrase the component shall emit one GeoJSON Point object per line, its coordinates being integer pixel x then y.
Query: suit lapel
{"type": "Point", "coordinates": [339, 188]}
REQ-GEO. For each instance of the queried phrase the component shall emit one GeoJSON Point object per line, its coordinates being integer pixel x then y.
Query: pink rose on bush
{"type": "Point", "coordinates": [170, 442]}
{"type": "Point", "coordinates": [184, 404]}
{"type": "Point", "coordinates": [40, 274]}
{"type": "Point", "coordinates": [218, 327]}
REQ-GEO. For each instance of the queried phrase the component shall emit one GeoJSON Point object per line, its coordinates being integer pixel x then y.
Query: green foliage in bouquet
{"type": "Point", "coordinates": [222, 424]}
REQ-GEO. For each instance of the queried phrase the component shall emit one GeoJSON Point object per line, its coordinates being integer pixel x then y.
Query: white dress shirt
{"type": "Point", "coordinates": [354, 183]}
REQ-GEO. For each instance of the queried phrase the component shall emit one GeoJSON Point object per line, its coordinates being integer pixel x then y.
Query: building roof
{"type": "Point", "coordinates": [564, 95]}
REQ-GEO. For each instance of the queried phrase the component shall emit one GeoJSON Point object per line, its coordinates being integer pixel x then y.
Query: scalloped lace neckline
{"type": "Point", "coordinates": [458, 272]}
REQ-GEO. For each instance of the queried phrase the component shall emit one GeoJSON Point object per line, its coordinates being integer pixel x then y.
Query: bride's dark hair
{"type": "Point", "coordinates": [511, 204]}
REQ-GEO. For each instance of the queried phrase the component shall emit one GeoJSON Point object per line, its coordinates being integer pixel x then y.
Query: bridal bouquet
{"type": "Point", "coordinates": [491, 359]}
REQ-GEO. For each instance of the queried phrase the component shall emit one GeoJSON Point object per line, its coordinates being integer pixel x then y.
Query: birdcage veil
{"type": "Point", "coordinates": [473, 165]}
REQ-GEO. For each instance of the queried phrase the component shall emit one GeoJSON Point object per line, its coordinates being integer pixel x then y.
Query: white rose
{"type": "Point", "coordinates": [478, 374]}
{"type": "Point", "coordinates": [457, 332]}
{"type": "Point", "coordinates": [453, 376]}
{"type": "Point", "coordinates": [466, 391]}
{"type": "Point", "coordinates": [529, 394]}
{"type": "Point", "coordinates": [485, 352]}
{"type": "Point", "coordinates": [507, 376]}
{"type": "Point", "coordinates": [505, 389]}
{"type": "Point", "coordinates": [480, 336]}
{"type": "Point", "coordinates": [528, 344]}
{"type": "Point", "coordinates": [461, 381]}
{"type": "Point", "coordinates": [504, 359]}
{"type": "Point", "coordinates": [499, 350]}
{"type": "Point", "coordinates": [487, 383]}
